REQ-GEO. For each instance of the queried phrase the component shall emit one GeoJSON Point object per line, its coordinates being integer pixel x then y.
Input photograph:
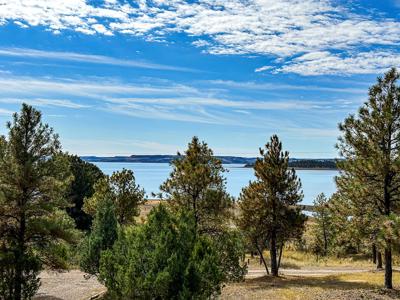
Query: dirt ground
{"type": "Point", "coordinates": [350, 286]}
{"type": "Point", "coordinates": [71, 285]}
{"type": "Point", "coordinates": [342, 283]}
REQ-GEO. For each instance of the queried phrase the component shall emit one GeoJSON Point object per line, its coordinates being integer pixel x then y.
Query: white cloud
{"type": "Point", "coordinates": [264, 68]}
{"type": "Point", "coordinates": [155, 99]}
{"type": "Point", "coordinates": [217, 102]}
{"type": "Point", "coordinates": [249, 85]}
{"type": "Point", "coordinates": [45, 102]}
{"type": "Point", "coordinates": [282, 29]}
{"type": "Point", "coordinates": [326, 63]}
{"type": "Point", "coordinates": [87, 58]}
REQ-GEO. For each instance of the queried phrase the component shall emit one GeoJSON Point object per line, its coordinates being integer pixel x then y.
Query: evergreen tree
{"type": "Point", "coordinates": [252, 218]}
{"type": "Point", "coordinates": [162, 259]}
{"type": "Point", "coordinates": [34, 227]}
{"type": "Point", "coordinates": [272, 200]}
{"type": "Point", "coordinates": [102, 236]}
{"type": "Point", "coordinates": [370, 147]}
{"type": "Point", "coordinates": [122, 189]}
{"type": "Point", "coordinates": [82, 186]}
{"type": "Point", "coordinates": [323, 223]}
{"type": "Point", "coordinates": [196, 185]}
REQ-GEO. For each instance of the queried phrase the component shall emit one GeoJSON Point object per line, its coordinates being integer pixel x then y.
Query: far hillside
{"type": "Point", "coordinates": [315, 164]}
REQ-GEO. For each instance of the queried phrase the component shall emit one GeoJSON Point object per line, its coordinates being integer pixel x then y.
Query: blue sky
{"type": "Point", "coordinates": [142, 77]}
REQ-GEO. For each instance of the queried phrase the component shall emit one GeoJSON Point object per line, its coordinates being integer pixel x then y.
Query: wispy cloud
{"type": "Point", "coordinates": [96, 88]}
{"type": "Point", "coordinates": [286, 29]}
{"type": "Point", "coordinates": [249, 85]}
{"type": "Point", "coordinates": [86, 58]}
{"type": "Point", "coordinates": [165, 100]}
{"type": "Point", "coordinates": [217, 102]}
{"type": "Point", "coordinates": [45, 102]}
{"type": "Point", "coordinates": [5, 112]}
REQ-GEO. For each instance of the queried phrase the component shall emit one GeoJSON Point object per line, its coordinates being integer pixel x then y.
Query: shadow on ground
{"type": "Point", "coordinates": [326, 283]}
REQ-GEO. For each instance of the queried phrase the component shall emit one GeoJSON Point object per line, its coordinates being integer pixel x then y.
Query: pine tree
{"type": "Point", "coordinates": [370, 147]}
{"type": "Point", "coordinates": [101, 237]}
{"type": "Point", "coordinates": [196, 184]}
{"type": "Point", "coordinates": [252, 218]}
{"type": "Point", "coordinates": [82, 186]}
{"type": "Point", "coordinates": [122, 189]}
{"type": "Point", "coordinates": [272, 200]}
{"type": "Point", "coordinates": [34, 227]}
{"type": "Point", "coordinates": [323, 222]}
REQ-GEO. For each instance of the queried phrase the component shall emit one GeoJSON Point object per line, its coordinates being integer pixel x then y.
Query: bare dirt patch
{"type": "Point", "coordinates": [70, 285]}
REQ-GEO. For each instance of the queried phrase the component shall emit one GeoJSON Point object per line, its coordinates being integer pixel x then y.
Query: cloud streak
{"type": "Point", "coordinates": [86, 58]}
{"type": "Point", "coordinates": [159, 100]}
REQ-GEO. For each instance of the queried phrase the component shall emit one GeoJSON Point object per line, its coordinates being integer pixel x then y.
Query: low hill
{"type": "Point", "coordinates": [162, 159]}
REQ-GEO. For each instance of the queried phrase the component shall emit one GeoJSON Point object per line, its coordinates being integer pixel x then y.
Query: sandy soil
{"type": "Point", "coordinates": [72, 285]}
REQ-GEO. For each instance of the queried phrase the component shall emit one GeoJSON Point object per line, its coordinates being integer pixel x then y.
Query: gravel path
{"type": "Point", "coordinates": [70, 285]}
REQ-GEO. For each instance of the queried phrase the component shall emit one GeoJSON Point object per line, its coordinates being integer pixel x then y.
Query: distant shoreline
{"type": "Point", "coordinates": [247, 162]}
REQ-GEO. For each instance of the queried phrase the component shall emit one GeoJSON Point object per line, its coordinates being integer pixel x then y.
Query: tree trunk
{"type": "Point", "coordinates": [378, 260]}
{"type": "Point", "coordinates": [272, 250]}
{"type": "Point", "coordinates": [19, 259]}
{"type": "Point", "coordinates": [325, 240]}
{"type": "Point", "coordinates": [388, 266]}
{"type": "Point", "coordinates": [262, 258]}
{"type": "Point", "coordinates": [388, 249]}
{"type": "Point", "coordinates": [280, 256]}
{"type": "Point", "coordinates": [373, 253]}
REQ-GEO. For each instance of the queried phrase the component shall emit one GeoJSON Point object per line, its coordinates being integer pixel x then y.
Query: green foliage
{"type": "Point", "coordinates": [370, 171]}
{"type": "Point", "coordinates": [122, 189]}
{"type": "Point", "coordinates": [322, 228]}
{"type": "Point", "coordinates": [162, 259]}
{"type": "Point", "coordinates": [230, 245]}
{"type": "Point", "coordinates": [85, 176]}
{"type": "Point", "coordinates": [34, 227]}
{"type": "Point", "coordinates": [196, 184]}
{"type": "Point", "coordinates": [268, 208]}
{"type": "Point", "coordinates": [102, 237]}
{"type": "Point", "coordinates": [30, 281]}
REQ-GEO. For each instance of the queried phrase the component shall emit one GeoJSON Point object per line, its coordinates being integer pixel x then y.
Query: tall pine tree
{"type": "Point", "coordinates": [272, 200]}
{"type": "Point", "coordinates": [197, 185]}
{"type": "Point", "coordinates": [370, 147]}
{"type": "Point", "coordinates": [34, 226]}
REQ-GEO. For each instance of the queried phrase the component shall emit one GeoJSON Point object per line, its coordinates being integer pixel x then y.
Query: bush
{"type": "Point", "coordinates": [102, 237]}
{"type": "Point", "coordinates": [162, 259]}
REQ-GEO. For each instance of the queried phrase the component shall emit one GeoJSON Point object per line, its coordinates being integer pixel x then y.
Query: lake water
{"type": "Point", "coordinates": [150, 175]}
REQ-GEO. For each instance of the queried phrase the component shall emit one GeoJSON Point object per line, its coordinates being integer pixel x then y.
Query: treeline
{"type": "Point", "coordinates": [323, 164]}
{"type": "Point", "coordinates": [162, 159]}
{"type": "Point", "coordinates": [57, 210]}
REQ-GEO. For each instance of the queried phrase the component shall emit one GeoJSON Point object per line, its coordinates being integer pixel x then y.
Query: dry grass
{"type": "Point", "coordinates": [365, 285]}
{"type": "Point", "coordinates": [298, 260]}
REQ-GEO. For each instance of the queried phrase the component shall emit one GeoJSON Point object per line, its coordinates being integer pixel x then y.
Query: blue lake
{"type": "Point", "coordinates": [150, 175]}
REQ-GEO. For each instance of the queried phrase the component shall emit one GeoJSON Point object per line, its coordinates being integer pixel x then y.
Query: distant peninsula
{"type": "Point", "coordinates": [248, 162]}
{"type": "Point", "coordinates": [309, 164]}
